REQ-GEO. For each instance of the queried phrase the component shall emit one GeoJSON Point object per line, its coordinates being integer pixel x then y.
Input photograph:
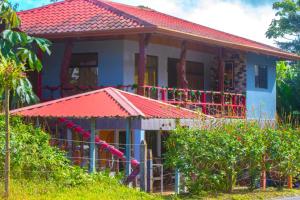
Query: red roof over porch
{"type": "Point", "coordinates": [106, 103]}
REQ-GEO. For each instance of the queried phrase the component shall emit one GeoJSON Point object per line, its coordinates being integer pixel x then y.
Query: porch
{"type": "Point", "coordinates": [194, 75]}
{"type": "Point", "coordinates": [213, 103]}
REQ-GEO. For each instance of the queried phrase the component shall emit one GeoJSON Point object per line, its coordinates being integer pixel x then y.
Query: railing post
{"type": "Point", "coordinates": [203, 102]}
{"type": "Point", "coordinates": [234, 105]}
{"type": "Point", "coordinates": [128, 147]}
{"type": "Point", "coordinates": [290, 182]}
{"type": "Point", "coordinates": [143, 166]}
{"type": "Point", "coordinates": [177, 181]}
{"type": "Point", "coordinates": [163, 94]}
{"type": "Point", "coordinates": [149, 172]}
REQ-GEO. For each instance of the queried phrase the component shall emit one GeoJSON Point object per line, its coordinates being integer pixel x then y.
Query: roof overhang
{"type": "Point", "coordinates": [178, 34]}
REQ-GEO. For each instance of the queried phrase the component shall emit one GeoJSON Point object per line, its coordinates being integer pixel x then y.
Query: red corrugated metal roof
{"type": "Point", "coordinates": [104, 17]}
{"type": "Point", "coordinates": [106, 103]}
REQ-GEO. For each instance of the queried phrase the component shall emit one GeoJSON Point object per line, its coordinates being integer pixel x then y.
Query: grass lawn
{"type": "Point", "coordinates": [243, 195]}
{"type": "Point", "coordinates": [107, 189]}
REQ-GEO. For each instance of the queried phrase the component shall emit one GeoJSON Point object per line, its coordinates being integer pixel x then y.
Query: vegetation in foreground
{"type": "Point", "coordinates": [102, 188]}
{"type": "Point", "coordinates": [223, 156]}
{"type": "Point", "coordinates": [242, 194]}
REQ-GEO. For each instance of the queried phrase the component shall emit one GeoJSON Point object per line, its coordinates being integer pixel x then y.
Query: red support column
{"type": "Point", "coordinates": [65, 65]}
{"type": "Point", "coordinates": [39, 77]}
{"type": "Point", "coordinates": [143, 43]}
{"type": "Point", "coordinates": [181, 67]}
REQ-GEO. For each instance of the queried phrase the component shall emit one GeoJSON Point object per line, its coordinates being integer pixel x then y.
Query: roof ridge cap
{"type": "Point", "coordinates": [124, 102]}
{"type": "Point", "coordinates": [117, 11]}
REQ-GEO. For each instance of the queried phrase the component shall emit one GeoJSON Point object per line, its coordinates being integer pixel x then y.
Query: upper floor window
{"type": "Point", "coordinates": [229, 75]}
{"type": "Point", "coordinates": [195, 75]}
{"type": "Point", "coordinates": [261, 76]}
{"type": "Point", "coordinates": [151, 70]}
{"type": "Point", "coordinates": [83, 70]}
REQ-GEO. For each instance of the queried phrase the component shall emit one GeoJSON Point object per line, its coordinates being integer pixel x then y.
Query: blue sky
{"type": "Point", "coordinates": [246, 18]}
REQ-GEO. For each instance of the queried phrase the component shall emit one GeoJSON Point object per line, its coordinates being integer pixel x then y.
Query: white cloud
{"type": "Point", "coordinates": [231, 16]}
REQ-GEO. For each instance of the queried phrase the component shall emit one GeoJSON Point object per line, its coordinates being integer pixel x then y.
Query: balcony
{"type": "Point", "coordinates": [213, 103]}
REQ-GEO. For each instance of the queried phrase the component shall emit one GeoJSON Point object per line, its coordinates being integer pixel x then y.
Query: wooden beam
{"type": "Point", "coordinates": [181, 67]}
{"type": "Point", "coordinates": [143, 44]}
{"type": "Point", "coordinates": [65, 64]}
{"type": "Point", "coordinates": [221, 69]}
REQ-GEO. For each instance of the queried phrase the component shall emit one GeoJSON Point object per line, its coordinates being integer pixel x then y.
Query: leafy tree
{"type": "Point", "coordinates": [285, 28]}
{"type": "Point", "coordinates": [17, 56]}
{"type": "Point", "coordinates": [286, 25]}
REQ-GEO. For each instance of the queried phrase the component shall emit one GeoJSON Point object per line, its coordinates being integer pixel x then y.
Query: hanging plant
{"type": "Point", "coordinates": [134, 86]}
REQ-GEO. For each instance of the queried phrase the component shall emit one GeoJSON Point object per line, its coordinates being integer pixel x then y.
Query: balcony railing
{"type": "Point", "coordinates": [217, 104]}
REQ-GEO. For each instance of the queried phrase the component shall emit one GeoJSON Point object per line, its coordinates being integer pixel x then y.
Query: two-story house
{"type": "Point", "coordinates": [100, 43]}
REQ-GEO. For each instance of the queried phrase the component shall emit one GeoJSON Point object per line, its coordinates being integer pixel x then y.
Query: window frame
{"type": "Point", "coordinates": [85, 66]}
{"type": "Point", "coordinates": [136, 65]}
{"type": "Point", "coordinates": [232, 86]}
{"type": "Point", "coordinates": [261, 82]}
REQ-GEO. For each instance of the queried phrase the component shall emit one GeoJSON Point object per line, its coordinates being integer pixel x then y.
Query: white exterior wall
{"type": "Point", "coordinates": [163, 53]}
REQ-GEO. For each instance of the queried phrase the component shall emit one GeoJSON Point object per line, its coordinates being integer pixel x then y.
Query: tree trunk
{"type": "Point", "coordinates": [7, 144]}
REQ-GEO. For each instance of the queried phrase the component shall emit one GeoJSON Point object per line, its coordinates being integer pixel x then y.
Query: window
{"type": "Point", "coordinates": [195, 75]}
{"type": "Point", "coordinates": [151, 70]}
{"type": "Point", "coordinates": [229, 75]}
{"type": "Point", "coordinates": [261, 76]}
{"type": "Point", "coordinates": [83, 70]}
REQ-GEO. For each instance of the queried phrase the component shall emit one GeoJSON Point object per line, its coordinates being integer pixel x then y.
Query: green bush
{"type": "Point", "coordinates": [32, 156]}
{"type": "Point", "coordinates": [213, 159]}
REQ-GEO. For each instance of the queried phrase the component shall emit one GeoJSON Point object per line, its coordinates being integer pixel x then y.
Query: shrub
{"type": "Point", "coordinates": [215, 158]}
{"type": "Point", "coordinates": [33, 157]}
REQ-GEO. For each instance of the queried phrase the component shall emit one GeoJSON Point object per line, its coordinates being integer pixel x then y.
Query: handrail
{"type": "Point", "coordinates": [214, 103]}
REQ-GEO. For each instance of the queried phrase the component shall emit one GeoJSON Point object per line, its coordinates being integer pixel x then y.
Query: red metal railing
{"type": "Point", "coordinates": [228, 105]}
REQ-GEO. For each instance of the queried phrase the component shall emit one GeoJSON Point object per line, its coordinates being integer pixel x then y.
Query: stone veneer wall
{"type": "Point", "coordinates": [240, 76]}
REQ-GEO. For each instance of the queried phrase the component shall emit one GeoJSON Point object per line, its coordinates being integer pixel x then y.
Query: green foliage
{"type": "Point", "coordinates": [104, 187]}
{"type": "Point", "coordinates": [286, 25]}
{"type": "Point", "coordinates": [288, 91]}
{"type": "Point", "coordinates": [283, 146]}
{"type": "Point", "coordinates": [32, 156]}
{"type": "Point", "coordinates": [285, 28]}
{"type": "Point", "coordinates": [214, 159]}
{"type": "Point", "coordinates": [18, 49]}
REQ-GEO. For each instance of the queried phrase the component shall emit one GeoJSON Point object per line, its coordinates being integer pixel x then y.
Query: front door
{"type": "Point", "coordinates": [194, 74]}
{"type": "Point", "coordinates": [172, 73]}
